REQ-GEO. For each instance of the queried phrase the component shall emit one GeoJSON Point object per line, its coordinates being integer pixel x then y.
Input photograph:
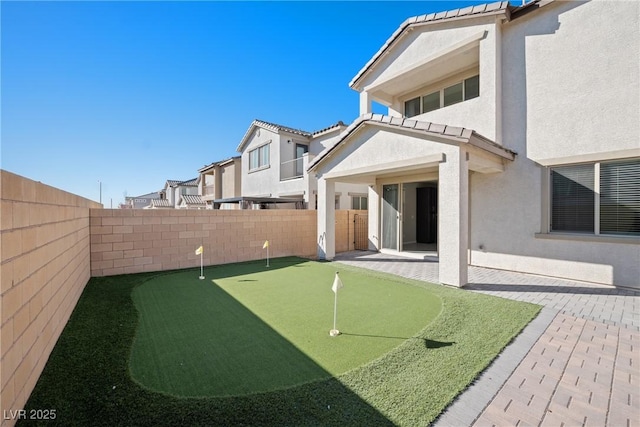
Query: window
{"type": "Point", "coordinates": [620, 197]}
{"type": "Point", "coordinates": [461, 91]}
{"type": "Point", "coordinates": [599, 198]}
{"type": "Point", "coordinates": [359, 202]}
{"type": "Point", "coordinates": [472, 88]}
{"type": "Point", "coordinates": [452, 94]}
{"type": "Point", "coordinates": [412, 107]}
{"type": "Point", "coordinates": [259, 157]}
{"type": "Point", "coordinates": [431, 102]}
{"type": "Point", "coordinates": [573, 198]}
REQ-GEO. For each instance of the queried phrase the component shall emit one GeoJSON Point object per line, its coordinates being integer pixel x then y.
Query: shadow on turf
{"type": "Point", "coordinates": [87, 377]}
{"type": "Point", "coordinates": [427, 342]}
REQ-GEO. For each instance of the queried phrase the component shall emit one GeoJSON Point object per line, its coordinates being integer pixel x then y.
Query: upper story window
{"type": "Point", "coordinates": [598, 198]}
{"type": "Point", "coordinates": [462, 91]}
{"type": "Point", "coordinates": [259, 157]}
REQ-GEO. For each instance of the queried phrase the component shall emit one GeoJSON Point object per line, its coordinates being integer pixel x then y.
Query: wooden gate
{"type": "Point", "coordinates": [360, 232]}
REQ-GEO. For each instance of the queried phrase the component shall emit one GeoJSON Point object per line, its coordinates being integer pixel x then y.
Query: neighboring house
{"type": "Point", "coordinates": [140, 202]}
{"type": "Point", "coordinates": [512, 141]}
{"type": "Point", "coordinates": [191, 201]}
{"type": "Point", "coordinates": [173, 189]}
{"type": "Point", "coordinates": [220, 181]}
{"type": "Point", "coordinates": [160, 204]}
{"type": "Point", "coordinates": [274, 164]}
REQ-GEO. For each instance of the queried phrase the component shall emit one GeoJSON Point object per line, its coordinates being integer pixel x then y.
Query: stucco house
{"type": "Point", "coordinates": [140, 202]}
{"type": "Point", "coordinates": [511, 141]}
{"type": "Point", "coordinates": [173, 189]}
{"type": "Point", "coordinates": [219, 182]}
{"type": "Point", "coordinates": [274, 167]}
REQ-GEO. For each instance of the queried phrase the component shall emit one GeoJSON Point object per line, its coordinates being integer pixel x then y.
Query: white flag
{"type": "Point", "coordinates": [337, 284]}
{"type": "Point", "coordinates": [266, 244]}
{"type": "Point", "coordinates": [199, 250]}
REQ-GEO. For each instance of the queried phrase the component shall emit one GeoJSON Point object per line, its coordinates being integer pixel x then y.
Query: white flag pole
{"type": "Point", "coordinates": [337, 284]}
{"type": "Point", "coordinates": [268, 254]}
{"type": "Point", "coordinates": [201, 267]}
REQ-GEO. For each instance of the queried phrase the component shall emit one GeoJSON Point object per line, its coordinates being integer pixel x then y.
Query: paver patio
{"type": "Point", "coordinates": [577, 364]}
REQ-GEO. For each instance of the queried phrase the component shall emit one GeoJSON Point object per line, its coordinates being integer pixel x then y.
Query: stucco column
{"type": "Point", "coordinates": [365, 103]}
{"type": "Point", "coordinates": [217, 182]}
{"type": "Point", "coordinates": [453, 219]}
{"type": "Point", "coordinates": [326, 219]}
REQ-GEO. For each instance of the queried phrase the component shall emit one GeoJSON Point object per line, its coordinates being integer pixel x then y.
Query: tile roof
{"type": "Point", "coordinates": [218, 163]}
{"type": "Point", "coordinates": [467, 12]}
{"type": "Point", "coordinates": [193, 182]}
{"type": "Point", "coordinates": [454, 133]}
{"type": "Point", "coordinates": [192, 199]}
{"type": "Point", "coordinates": [161, 203]}
{"type": "Point", "coordinates": [277, 127]}
{"type": "Point", "coordinates": [329, 128]}
{"type": "Point", "coordinates": [269, 126]}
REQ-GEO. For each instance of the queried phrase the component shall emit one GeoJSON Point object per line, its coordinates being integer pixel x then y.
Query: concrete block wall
{"type": "Point", "coordinates": [134, 241]}
{"type": "Point", "coordinates": [44, 252]}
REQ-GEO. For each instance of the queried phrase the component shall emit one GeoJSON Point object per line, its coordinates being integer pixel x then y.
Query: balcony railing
{"type": "Point", "coordinates": [208, 190]}
{"type": "Point", "coordinates": [292, 169]}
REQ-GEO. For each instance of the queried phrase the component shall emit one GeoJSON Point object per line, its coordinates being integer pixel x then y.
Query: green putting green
{"type": "Point", "coordinates": [248, 328]}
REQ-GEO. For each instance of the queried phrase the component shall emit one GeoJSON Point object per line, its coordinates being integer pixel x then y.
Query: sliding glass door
{"type": "Point", "coordinates": [390, 216]}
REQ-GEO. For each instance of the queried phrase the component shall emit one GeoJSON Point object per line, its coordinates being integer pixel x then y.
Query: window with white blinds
{"type": "Point", "coordinates": [579, 198]}
{"type": "Point", "coordinates": [573, 198]}
{"type": "Point", "coordinates": [620, 197]}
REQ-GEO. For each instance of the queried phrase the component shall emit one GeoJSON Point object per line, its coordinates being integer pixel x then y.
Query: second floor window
{"type": "Point", "coordinates": [259, 157]}
{"type": "Point", "coordinates": [461, 91]}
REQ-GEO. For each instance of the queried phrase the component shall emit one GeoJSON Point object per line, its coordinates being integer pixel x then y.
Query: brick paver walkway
{"type": "Point", "coordinates": [577, 364]}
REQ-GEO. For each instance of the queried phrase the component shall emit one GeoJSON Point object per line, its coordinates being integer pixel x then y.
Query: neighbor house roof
{"type": "Point", "coordinates": [453, 133]}
{"type": "Point", "coordinates": [160, 203]}
{"type": "Point", "coordinates": [269, 126]}
{"type": "Point", "coordinates": [192, 200]}
{"type": "Point", "coordinates": [497, 8]}
{"type": "Point", "coordinates": [329, 128]}
{"type": "Point", "coordinates": [219, 163]}
{"type": "Point", "coordinates": [193, 182]}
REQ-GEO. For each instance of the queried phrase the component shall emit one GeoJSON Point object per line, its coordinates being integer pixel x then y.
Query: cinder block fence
{"type": "Point", "coordinates": [45, 265]}
{"type": "Point", "coordinates": [133, 241]}
{"type": "Point", "coordinates": [52, 242]}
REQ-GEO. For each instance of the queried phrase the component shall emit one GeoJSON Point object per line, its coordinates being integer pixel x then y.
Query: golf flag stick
{"type": "Point", "coordinates": [337, 284]}
{"type": "Point", "coordinates": [199, 251]}
{"type": "Point", "coordinates": [266, 246]}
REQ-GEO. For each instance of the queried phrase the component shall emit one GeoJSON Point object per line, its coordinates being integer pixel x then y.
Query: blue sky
{"type": "Point", "coordinates": [134, 93]}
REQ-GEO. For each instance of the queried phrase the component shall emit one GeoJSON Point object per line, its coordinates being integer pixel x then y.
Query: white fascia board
{"type": "Point", "coordinates": [389, 167]}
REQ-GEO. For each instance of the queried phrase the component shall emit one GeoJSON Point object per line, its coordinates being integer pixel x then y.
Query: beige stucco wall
{"type": "Point", "coordinates": [580, 89]}
{"type": "Point", "coordinates": [480, 114]}
{"type": "Point", "coordinates": [45, 266]}
{"type": "Point", "coordinates": [571, 93]}
{"type": "Point", "coordinates": [231, 179]}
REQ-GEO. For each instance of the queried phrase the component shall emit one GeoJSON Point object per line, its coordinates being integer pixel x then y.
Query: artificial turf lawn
{"type": "Point", "coordinates": [248, 328]}
{"type": "Point", "coordinates": [87, 379]}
